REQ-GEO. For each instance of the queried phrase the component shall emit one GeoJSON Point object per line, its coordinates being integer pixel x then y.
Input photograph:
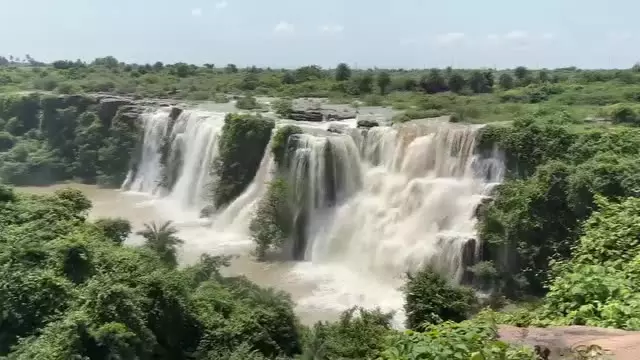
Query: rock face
{"type": "Point", "coordinates": [619, 344]}
{"type": "Point", "coordinates": [317, 112]}
{"type": "Point", "coordinates": [175, 112]}
{"type": "Point", "coordinates": [367, 123]}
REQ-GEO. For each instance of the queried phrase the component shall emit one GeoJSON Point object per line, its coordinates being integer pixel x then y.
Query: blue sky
{"type": "Point", "coordinates": [289, 33]}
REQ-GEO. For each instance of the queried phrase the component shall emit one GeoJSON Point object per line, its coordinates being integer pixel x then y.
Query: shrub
{"type": "Point", "coordinates": [283, 108]}
{"type": "Point", "coordinates": [431, 299]}
{"type": "Point", "coordinates": [280, 139]}
{"type": "Point", "coordinates": [247, 103]}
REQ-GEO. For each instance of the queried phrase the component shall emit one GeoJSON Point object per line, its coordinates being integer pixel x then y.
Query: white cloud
{"type": "Point", "coordinates": [284, 27]}
{"type": "Point", "coordinates": [493, 37]}
{"type": "Point", "coordinates": [516, 35]}
{"type": "Point", "coordinates": [449, 38]}
{"type": "Point", "coordinates": [331, 28]}
{"type": "Point", "coordinates": [221, 4]}
{"type": "Point", "coordinates": [196, 12]}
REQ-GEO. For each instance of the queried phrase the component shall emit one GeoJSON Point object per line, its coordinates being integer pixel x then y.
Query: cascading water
{"type": "Point", "coordinates": [369, 205]}
{"type": "Point", "coordinates": [421, 184]}
{"type": "Point", "coordinates": [176, 156]}
{"type": "Point", "coordinates": [319, 175]}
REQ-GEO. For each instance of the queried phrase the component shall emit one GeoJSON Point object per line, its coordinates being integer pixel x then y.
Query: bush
{"type": "Point", "coordinates": [247, 103]}
{"type": "Point", "coordinates": [431, 299]}
{"type": "Point", "coordinates": [283, 108]}
{"type": "Point", "coordinates": [279, 143]}
{"type": "Point", "coordinates": [473, 339]}
{"type": "Point", "coordinates": [359, 334]}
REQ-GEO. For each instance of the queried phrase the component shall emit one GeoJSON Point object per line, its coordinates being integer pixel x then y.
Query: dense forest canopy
{"type": "Point", "coordinates": [561, 228]}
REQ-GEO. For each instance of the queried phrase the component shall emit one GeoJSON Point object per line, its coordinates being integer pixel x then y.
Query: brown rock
{"type": "Point", "coordinates": [619, 344]}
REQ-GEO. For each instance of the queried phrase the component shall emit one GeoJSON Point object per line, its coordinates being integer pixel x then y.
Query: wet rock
{"type": "Point", "coordinates": [307, 115]}
{"type": "Point", "coordinates": [481, 208]}
{"type": "Point", "coordinates": [558, 342]}
{"type": "Point", "coordinates": [367, 123]}
{"type": "Point", "coordinates": [207, 211]}
{"type": "Point", "coordinates": [175, 112]}
{"type": "Point", "coordinates": [337, 128]}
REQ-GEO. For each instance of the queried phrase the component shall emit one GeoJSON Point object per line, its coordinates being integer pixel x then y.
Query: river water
{"type": "Point", "coordinates": [308, 285]}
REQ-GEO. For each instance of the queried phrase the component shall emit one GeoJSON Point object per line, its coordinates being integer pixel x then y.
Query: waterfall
{"type": "Point", "coordinates": [176, 155]}
{"type": "Point", "coordinates": [421, 183]}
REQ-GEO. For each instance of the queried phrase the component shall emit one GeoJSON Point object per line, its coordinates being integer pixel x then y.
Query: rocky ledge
{"type": "Point", "coordinates": [557, 342]}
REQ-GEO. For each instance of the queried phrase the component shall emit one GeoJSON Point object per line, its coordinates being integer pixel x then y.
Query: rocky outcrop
{"type": "Point", "coordinates": [367, 124]}
{"type": "Point", "coordinates": [318, 112]}
{"type": "Point", "coordinates": [482, 206]}
{"type": "Point", "coordinates": [109, 106]}
{"type": "Point", "coordinates": [307, 115]}
{"type": "Point", "coordinates": [175, 112]}
{"type": "Point", "coordinates": [560, 341]}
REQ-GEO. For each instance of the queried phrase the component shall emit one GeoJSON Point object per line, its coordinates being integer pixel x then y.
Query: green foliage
{"type": "Point", "coordinates": [247, 103]}
{"type": "Point", "coordinates": [242, 145]}
{"type": "Point", "coordinates": [599, 285]}
{"type": "Point", "coordinates": [283, 108]}
{"type": "Point", "coordinates": [554, 173]}
{"type": "Point", "coordinates": [69, 291]}
{"type": "Point", "coordinates": [271, 224]}
{"type": "Point", "coordinates": [343, 72]}
{"type": "Point", "coordinates": [116, 230]}
{"type": "Point", "coordinates": [55, 138]}
{"type": "Point", "coordinates": [359, 334]}
{"type": "Point", "coordinates": [162, 240]}
{"type": "Point", "coordinates": [279, 143]}
{"type": "Point", "coordinates": [475, 340]}
{"type": "Point", "coordinates": [431, 299]}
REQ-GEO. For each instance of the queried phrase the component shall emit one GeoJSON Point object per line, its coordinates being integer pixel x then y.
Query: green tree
{"type": "Point", "coordinates": [343, 72]}
{"type": "Point", "coordinates": [422, 307]}
{"type": "Point", "coordinates": [434, 82]}
{"type": "Point", "coordinates": [456, 82]}
{"type": "Point", "coordinates": [384, 79]}
{"type": "Point", "coordinates": [506, 81]}
{"type": "Point", "coordinates": [116, 230]}
{"type": "Point", "coordinates": [231, 69]}
{"type": "Point", "coordinates": [521, 73]}
{"type": "Point", "coordinates": [163, 241]}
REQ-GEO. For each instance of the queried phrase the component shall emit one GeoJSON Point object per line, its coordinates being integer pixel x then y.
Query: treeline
{"type": "Point", "coordinates": [206, 82]}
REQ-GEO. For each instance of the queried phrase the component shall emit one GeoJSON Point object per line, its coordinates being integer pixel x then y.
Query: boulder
{"type": "Point", "coordinates": [558, 342]}
{"type": "Point", "coordinates": [367, 124]}
{"type": "Point", "coordinates": [307, 115]}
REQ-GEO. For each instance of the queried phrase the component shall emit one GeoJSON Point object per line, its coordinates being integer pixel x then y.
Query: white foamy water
{"type": "Point", "coordinates": [192, 146]}
{"type": "Point", "coordinates": [372, 205]}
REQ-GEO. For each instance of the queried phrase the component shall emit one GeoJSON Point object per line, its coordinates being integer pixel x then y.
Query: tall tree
{"type": "Point", "coordinates": [456, 82]}
{"type": "Point", "coordinates": [343, 72]}
{"type": "Point", "coordinates": [162, 239]}
{"type": "Point", "coordinates": [521, 72]}
{"type": "Point", "coordinates": [384, 79]}
{"type": "Point", "coordinates": [506, 81]}
{"type": "Point", "coordinates": [433, 82]}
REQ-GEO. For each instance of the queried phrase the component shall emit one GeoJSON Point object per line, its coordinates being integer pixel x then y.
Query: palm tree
{"type": "Point", "coordinates": [162, 240]}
